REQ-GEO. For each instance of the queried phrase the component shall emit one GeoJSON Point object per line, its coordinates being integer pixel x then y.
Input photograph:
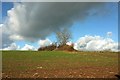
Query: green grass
{"type": "Point", "coordinates": [25, 60]}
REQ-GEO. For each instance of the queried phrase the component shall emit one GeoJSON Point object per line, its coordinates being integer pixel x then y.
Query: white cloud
{"type": "Point", "coordinates": [109, 34]}
{"type": "Point", "coordinates": [28, 47]}
{"type": "Point", "coordinates": [1, 25]}
{"type": "Point", "coordinates": [0, 36]}
{"type": "Point", "coordinates": [69, 43]}
{"type": "Point", "coordinates": [95, 43]}
{"type": "Point", "coordinates": [5, 41]}
{"type": "Point", "coordinates": [12, 46]}
{"type": "Point", "coordinates": [44, 43]}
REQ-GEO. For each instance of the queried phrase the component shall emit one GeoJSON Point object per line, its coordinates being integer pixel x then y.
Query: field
{"type": "Point", "coordinates": [59, 64]}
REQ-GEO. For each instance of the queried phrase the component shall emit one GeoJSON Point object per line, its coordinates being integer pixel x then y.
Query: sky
{"type": "Point", "coordinates": [91, 20]}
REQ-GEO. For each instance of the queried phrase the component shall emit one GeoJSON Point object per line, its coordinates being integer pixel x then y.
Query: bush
{"type": "Point", "coordinates": [47, 48]}
{"type": "Point", "coordinates": [65, 48]}
{"type": "Point", "coordinates": [59, 48]}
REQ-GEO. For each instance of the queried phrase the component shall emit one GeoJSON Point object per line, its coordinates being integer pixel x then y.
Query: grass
{"type": "Point", "coordinates": [29, 62]}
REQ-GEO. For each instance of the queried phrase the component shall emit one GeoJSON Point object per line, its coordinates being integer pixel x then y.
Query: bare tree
{"type": "Point", "coordinates": [63, 36]}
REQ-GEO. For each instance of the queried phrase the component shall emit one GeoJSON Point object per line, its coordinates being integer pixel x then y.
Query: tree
{"type": "Point", "coordinates": [63, 36]}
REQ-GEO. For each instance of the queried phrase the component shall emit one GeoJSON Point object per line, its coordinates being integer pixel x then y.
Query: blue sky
{"type": "Point", "coordinates": [94, 25]}
{"type": "Point", "coordinates": [5, 7]}
{"type": "Point", "coordinates": [99, 25]}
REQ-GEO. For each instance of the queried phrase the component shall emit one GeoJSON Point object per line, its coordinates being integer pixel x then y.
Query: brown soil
{"type": "Point", "coordinates": [82, 72]}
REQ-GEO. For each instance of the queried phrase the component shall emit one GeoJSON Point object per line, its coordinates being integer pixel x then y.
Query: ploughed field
{"type": "Point", "coordinates": [59, 64]}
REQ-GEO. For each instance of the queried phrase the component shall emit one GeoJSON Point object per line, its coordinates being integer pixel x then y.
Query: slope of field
{"type": "Point", "coordinates": [58, 64]}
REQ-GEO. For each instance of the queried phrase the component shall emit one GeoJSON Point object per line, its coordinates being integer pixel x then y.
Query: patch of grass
{"type": "Point", "coordinates": [21, 61]}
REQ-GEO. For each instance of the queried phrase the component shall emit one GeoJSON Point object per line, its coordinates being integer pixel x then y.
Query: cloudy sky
{"type": "Point", "coordinates": [29, 25]}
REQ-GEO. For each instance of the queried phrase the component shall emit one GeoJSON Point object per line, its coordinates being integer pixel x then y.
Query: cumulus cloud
{"type": "Point", "coordinates": [12, 46]}
{"type": "Point", "coordinates": [5, 41]}
{"type": "Point", "coordinates": [0, 37]}
{"type": "Point", "coordinates": [95, 43]}
{"type": "Point", "coordinates": [1, 25]}
{"type": "Point", "coordinates": [109, 34]}
{"type": "Point", "coordinates": [44, 43]}
{"type": "Point", "coordinates": [31, 21]}
{"type": "Point", "coordinates": [69, 43]}
{"type": "Point", "coordinates": [28, 47]}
